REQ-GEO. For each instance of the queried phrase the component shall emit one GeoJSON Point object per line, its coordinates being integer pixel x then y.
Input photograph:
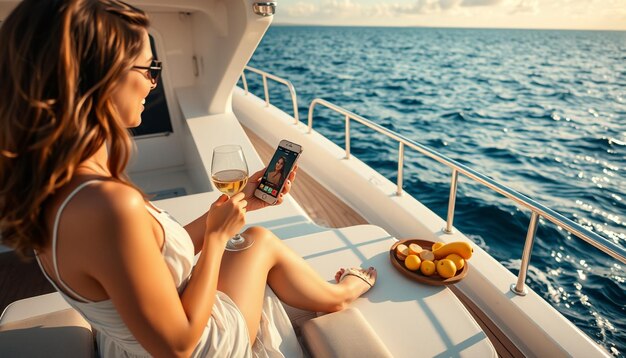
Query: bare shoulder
{"type": "Point", "coordinates": [107, 200]}
{"type": "Point", "coordinates": [102, 210]}
{"type": "Point", "coordinates": [102, 227]}
{"type": "Point", "coordinates": [116, 198]}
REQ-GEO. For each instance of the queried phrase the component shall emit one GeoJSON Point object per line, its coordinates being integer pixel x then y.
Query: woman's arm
{"type": "Point", "coordinates": [196, 230]}
{"type": "Point", "coordinates": [128, 263]}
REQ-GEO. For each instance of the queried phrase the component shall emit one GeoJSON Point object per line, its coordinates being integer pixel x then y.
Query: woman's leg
{"type": "Point", "coordinates": [244, 274]}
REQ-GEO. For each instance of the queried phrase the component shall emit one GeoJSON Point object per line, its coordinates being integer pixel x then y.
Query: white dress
{"type": "Point", "coordinates": [226, 333]}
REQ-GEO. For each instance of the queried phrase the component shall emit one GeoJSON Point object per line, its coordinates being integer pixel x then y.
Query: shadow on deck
{"type": "Point", "coordinates": [19, 279]}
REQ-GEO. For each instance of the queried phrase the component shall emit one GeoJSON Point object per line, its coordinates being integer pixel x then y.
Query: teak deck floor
{"type": "Point", "coordinates": [321, 205]}
{"type": "Point", "coordinates": [327, 210]}
{"type": "Point", "coordinates": [20, 279]}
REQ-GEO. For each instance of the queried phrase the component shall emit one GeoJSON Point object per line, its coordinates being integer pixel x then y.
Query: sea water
{"type": "Point", "coordinates": [543, 112]}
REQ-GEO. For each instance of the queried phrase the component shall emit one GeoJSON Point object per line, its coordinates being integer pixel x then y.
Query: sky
{"type": "Point", "coordinates": [537, 14]}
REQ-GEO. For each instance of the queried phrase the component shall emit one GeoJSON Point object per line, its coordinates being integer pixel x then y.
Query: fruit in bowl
{"type": "Point", "coordinates": [437, 245]}
{"type": "Point", "coordinates": [415, 249]}
{"type": "Point", "coordinates": [412, 262]}
{"type": "Point", "coordinates": [428, 268]}
{"type": "Point", "coordinates": [402, 251]}
{"type": "Point", "coordinates": [460, 248]}
{"type": "Point", "coordinates": [434, 263]}
{"type": "Point", "coordinates": [459, 262]}
{"type": "Point", "coordinates": [427, 255]}
{"type": "Point", "coordinates": [446, 268]}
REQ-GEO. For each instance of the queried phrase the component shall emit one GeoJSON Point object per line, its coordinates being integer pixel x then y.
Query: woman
{"type": "Point", "coordinates": [75, 75]}
{"type": "Point", "coordinates": [277, 175]}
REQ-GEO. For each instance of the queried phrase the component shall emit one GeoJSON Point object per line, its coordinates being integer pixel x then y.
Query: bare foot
{"type": "Point", "coordinates": [357, 280]}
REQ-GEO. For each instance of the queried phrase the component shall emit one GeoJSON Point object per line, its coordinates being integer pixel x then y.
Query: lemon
{"type": "Point", "coordinates": [437, 245]}
{"type": "Point", "coordinates": [414, 249]}
{"type": "Point", "coordinates": [427, 268]}
{"type": "Point", "coordinates": [412, 262]}
{"type": "Point", "coordinates": [459, 262]}
{"type": "Point", "coordinates": [402, 251]}
{"type": "Point", "coordinates": [446, 268]}
{"type": "Point", "coordinates": [427, 255]}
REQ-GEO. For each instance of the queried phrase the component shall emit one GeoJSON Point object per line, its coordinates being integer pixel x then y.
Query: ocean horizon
{"type": "Point", "coordinates": [286, 24]}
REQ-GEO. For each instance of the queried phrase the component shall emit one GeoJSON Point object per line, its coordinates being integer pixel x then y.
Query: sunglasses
{"type": "Point", "coordinates": [154, 70]}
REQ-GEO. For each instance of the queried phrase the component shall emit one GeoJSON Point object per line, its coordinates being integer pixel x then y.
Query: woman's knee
{"type": "Point", "coordinates": [260, 234]}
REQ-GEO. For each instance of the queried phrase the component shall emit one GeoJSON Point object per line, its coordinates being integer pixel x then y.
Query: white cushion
{"type": "Point", "coordinates": [58, 334]}
{"type": "Point", "coordinates": [343, 334]}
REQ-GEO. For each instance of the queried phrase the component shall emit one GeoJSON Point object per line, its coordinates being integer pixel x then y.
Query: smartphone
{"type": "Point", "coordinates": [277, 171]}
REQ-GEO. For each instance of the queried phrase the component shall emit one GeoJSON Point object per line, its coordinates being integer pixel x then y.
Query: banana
{"type": "Point", "coordinates": [460, 248]}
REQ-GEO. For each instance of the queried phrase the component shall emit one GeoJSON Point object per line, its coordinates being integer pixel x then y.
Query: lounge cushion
{"type": "Point", "coordinates": [57, 334]}
{"type": "Point", "coordinates": [343, 334]}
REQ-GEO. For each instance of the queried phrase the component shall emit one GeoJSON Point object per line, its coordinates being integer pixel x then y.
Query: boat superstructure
{"type": "Point", "coordinates": [205, 47]}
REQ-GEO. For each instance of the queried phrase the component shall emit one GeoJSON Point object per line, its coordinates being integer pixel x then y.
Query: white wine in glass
{"type": "Point", "coordinates": [230, 181]}
{"type": "Point", "coordinates": [229, 172]}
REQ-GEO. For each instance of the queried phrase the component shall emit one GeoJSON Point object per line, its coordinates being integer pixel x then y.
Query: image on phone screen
{"type": "Point", "coordinates": [277, 171]}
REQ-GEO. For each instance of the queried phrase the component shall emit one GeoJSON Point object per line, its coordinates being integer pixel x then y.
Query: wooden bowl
{"type": "Point", "coordinates": [435, 279]}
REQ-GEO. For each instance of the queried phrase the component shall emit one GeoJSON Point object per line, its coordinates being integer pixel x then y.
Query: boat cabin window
{"type": "Point", "coordinates": [155, 118]}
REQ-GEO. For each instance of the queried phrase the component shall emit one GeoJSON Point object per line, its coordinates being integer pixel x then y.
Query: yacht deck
{"type": "Point", "coordinates": [19, 279]}
{"type": "Point", "coordinates": [326, 209]}
{"type": "Point", "coordinates": [319, 203]}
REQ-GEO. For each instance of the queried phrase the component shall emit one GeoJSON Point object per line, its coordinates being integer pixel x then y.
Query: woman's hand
{"type": "Point", "coordinates": [226, 216]}
{"type": "Point", "coordinates": [255, 203]}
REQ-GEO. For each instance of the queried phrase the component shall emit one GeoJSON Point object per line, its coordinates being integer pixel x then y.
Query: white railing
{"type": "Point", "coordinates": [537, 210]}
{"type": "Point", "coordinates": [265, 75]}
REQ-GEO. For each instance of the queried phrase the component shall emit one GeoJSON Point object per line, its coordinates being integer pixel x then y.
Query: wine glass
{"type": "Point", "coordinates": [229, 172]}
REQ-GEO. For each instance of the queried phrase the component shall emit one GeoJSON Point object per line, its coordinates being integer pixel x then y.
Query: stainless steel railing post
{"type": "Point", "coordinates": [294, 102]}
{"type": "Point", "coordinates": [265, 75]}
{"type": "Point", "coordinates": [451, 201]}
{"type": "Point", "coordinates": [311, 107]}
{"type": "Point", "coordinates": [400, 168]}
{"type": "Point", "coordinates": [519, 288]}
{"type": "Point", "coordinates": [245, 82]}
{"type": "Point", "coordinates": [347, 137]}
{"type": "Point", "coordinates": [267, 93]}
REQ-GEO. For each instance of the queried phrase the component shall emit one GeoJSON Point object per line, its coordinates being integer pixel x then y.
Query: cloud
{"type": "Point", "coordinates": [418, 7]}
{"type": "Point", "coordinates": [591, 14]}
{"type": "Point", "coordinates": [334, 8]}
{"type": "Point", "coordinates": [349, 8]}
{"type": "Point", "coordinates": [302, 9]}
{"type": "Point", "coordinates": [527, 6]}
{"type": "Point", "coordinates": [481, 2]}
{"type": "Point", "coordinates": [449, 4]}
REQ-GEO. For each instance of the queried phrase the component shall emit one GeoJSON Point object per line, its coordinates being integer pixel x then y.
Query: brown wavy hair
{"type": "Point", "coordinates": [60, 63]}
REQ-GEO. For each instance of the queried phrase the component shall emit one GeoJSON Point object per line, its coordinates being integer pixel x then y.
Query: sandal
{"type": "Point", "coordinates": [358, 272]}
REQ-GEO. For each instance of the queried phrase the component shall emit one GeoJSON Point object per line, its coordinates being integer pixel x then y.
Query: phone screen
{"type": "Point", "coordinates": [277, 171]}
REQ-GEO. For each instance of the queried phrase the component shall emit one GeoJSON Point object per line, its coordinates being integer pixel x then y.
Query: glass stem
{"type": "Point", "coordinates": [237, 239]}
